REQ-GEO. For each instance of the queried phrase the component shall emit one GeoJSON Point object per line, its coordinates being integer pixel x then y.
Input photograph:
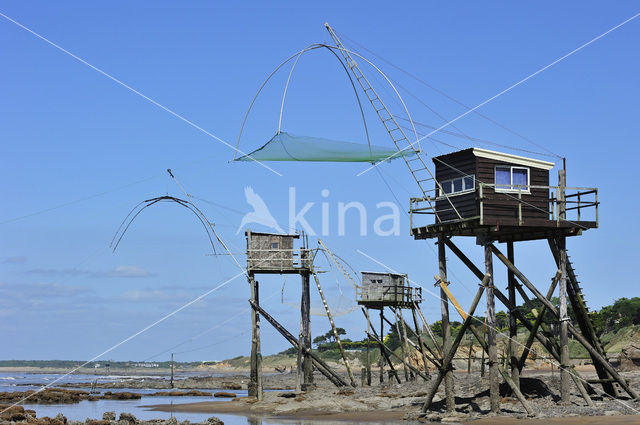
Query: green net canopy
{"type": "Point", "coordinates": [288, 147]}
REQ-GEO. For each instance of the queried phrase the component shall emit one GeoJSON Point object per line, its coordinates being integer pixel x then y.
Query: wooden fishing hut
{"type": "Point", "coordinates": [282, 254]}
{"type": "Point", "coordinates": [498, 197]}
{"type": "Point", "coordinates": [380, 290]}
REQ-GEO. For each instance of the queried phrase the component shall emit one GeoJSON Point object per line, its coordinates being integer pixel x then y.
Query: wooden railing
{"type": "Point", "coordinates": [572, 207]}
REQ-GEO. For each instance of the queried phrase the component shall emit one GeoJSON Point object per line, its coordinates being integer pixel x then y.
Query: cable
{"type": "Point", "coordinates": [441, 92]}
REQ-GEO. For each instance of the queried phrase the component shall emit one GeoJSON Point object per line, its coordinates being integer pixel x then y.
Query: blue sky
{"type": "Point", "coordinates": [73, 139]}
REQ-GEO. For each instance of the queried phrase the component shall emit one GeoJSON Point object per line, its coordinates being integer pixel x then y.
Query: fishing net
{"type": "Point", "coordinates": [288, 147]}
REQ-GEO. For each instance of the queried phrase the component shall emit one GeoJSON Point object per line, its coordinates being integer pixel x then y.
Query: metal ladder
{"type": "Point", "coordinates": [416, 164]}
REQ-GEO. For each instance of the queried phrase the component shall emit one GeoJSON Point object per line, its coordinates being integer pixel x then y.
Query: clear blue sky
{"type": "Point", "coordinates": [69, 133]}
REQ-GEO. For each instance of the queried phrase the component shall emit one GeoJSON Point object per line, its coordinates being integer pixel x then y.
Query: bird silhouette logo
{"type": "Point", "coordinates": [260, 214]}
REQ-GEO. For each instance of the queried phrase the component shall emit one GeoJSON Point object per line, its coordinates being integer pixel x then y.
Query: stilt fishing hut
{"type": "Point", "coordinates": [380, 290]}
{"type": "Point", "coordinates": [270, 253]}
{"type": "Point", "coordinates": [497, 197]}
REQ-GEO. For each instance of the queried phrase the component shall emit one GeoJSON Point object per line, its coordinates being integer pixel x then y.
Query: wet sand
{"type": "Point", "coordinates": [575, 420]}
{"type": "Point", "coordinates": [242, 406]}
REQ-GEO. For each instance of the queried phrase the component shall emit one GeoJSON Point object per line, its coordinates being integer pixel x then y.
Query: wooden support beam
{"type": "Point", "coordinates": [577, 335]}
{"type": "Point", "coordinates": [513, 324]}
{"type": "Point", "coordinates": [448, 357]}
{"type": "Point", "coordinates": [548, 344]}
{"type": "Point", "coordinates": [404, 346]}
{"type": "Point", "coordinates": [436, 344]}
{"type": "Point", "coordinates": [516, 390]}
{"type": "Point", "coordinates": [391, 353]}
{"type": "Point", "coordinates": [494, 373]}
{"type": "Point", "coordinates": [368, 365]}
{"type": "Point", "coordinates": [254, 389]}
{"type": "Point", "coordinates": [539, 317]}
{"type": "Point", "coordinates": [333, 328]}
{"type": "Point", "coordinates": [317, 361]}
{"type": "Point", "coordinates": [383, 351]}
{"type": "Point", "coordinates": [305, 310]}
{"type": "Point", "coordinates": [446, 328]}
{"type": "Point", "coordinates": [584, 321]}
{"type": "Point", "coordinates": [564, 320]}
{"type": "Point", "coordinates": [402, 324]}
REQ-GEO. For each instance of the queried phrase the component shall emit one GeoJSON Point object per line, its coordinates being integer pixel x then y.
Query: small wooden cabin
{"type": "Point", "coordinates": [273, 253]}
{"type": "Point", "coordinates": [504, 178]}
{"type": "Point", "coordinates": [484, 189]}
{"type": "Point", "coordinates": [387, 289]}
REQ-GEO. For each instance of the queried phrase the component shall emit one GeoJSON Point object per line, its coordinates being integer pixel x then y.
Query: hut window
{"type": "Point", "coordinates": [512, 179]}
{"type": "Point", "coordinates": [274, 245]}
{"type": "Point", "coordinates": [458, 185]}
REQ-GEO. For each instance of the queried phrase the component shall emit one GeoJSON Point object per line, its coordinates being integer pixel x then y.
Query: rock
{"type": "Point", "coordinates": [109, 416]}
{"type": "Point", "coordinates": [223, 394]}
{"type": "Point", "coordinates": [171, 421]}
{"type": "Point", "coordinates": [630, 357]}
{"type": "Point", "coordinates": [611, 413]}
{"type": "Point", "coordinates": [230, 386]}
{"type": "Point", "coordinates": [214, 421]}
{"type": "Point", "coordinates": [287, 395]}
{"type": "Point", "coordinates": [96, 422]}
{"type": "Point", "coordinates": [60, 417]}
{"type": "Point", "coordinates": [128, 417]}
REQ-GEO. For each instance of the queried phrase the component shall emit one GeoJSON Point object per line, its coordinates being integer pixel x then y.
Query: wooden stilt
{"type": "Point", "coordinates": [494, 373]}
{"type": "Point", "coordinates": [539, 317]}
{"type": "Point", "coordinates": [254, 389]}
{"type": "Point", "coordinates": [577, 335]}
{"type": "Point", "coordinates": [404, 346]}
{"type": "Point", "coordinates": [382, 352]}
{"type": "Point", "coordinates": [425, 324]}
{"type": "Point", "coordinates": [564, 320]}
{"type": "Point", "coordinates": [448, 357]}
{"type": "Point", "coordinates": [317, 361]}
{"type": "Point", "coordinates": [446, 329]}
{"type": "Point", "coordinates": [305, 307]}
{"type": "Point", "coordinates": [368, 349]}
{"type": "Point", "coordinates": [334, 329]}
{"type": "Point", "coordinates": [513, 324]}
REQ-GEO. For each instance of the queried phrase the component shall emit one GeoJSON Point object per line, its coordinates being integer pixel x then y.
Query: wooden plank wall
{"type": "Point", "coordinates": [503, 208]}
{"type": "Point", "coordinates": [459, 164]}
{"type": "Point", "coordinates": [499, 207]}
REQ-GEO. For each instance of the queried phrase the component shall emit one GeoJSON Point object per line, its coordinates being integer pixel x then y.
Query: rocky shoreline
{"type": "Point", "coordinates": [12, 415]}
{"type": "Point", "coordinates": [65, 396]}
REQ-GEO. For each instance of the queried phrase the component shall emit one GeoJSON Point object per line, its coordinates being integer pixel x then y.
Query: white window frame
{"type": "Point", "coordinates": [526, 190]}
{"type": "Point", "coordinates": [461, 192]}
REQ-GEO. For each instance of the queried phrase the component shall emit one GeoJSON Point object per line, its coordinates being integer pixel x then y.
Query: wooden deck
{"type": "Point", "coordinates": [504, 230]}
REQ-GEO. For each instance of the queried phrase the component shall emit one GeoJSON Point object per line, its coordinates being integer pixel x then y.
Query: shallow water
{"type": "Point", "coordinates": [94, 409]}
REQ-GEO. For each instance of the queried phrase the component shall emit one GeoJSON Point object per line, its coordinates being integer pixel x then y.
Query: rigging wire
{"type": "Point", "coordinates": [441, 92]}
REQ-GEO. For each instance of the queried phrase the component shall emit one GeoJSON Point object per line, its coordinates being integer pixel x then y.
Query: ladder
{"type": "Point", "coordinates": [416, 163]}
{"type": "Point", "coordinates": [579, 305]}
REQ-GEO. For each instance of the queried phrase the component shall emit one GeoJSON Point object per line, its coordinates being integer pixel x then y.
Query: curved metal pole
{"type": "Point", "coordinates": [298, 54]}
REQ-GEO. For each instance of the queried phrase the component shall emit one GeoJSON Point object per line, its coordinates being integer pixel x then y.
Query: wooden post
{"type": "Point", "coordinates": [382, 353]}
{"type": "Point", "coordinates": [368, 349]}
{"type": "Point", "coordinates": [333, 328]}
{"type": "Point", "coordinates": [494, 373]}
{"type": "Point", "coordinates": [305, 310]}
{"type": "Point", "coordinates": [421, 345]}
{"type": "Point", "coordinates": [404, 335]}
{"type": "Point", "coordinates": [446, 329]}
{"type": "Point", "coordinates": [171, 370]}
{"type": "Point", "coordinates": [595, 355]}
{"type": "Point", "coordinates": [254, 389]}
{"type": "Point", "coordinates": [564, 318]}
{"type": "Point", "coordinates": [448, 357]}
{"type": "Point", "coordinates": [320, 364]}
{"type": "Point", "coordinates": [404, 347]}
{"type": "Point", "coordinates": [513, 324]}
{"type": "Point", "coordinates": [469, 359]}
